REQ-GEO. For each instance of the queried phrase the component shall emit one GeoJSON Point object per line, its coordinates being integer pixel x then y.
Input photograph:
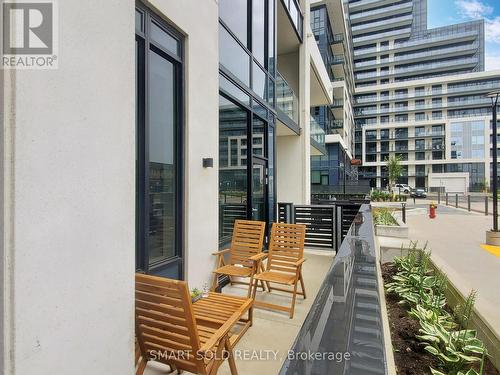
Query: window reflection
{"type": "Point", "coordinates": [234, 13]}
{"type": "Point", "coordinates": [258, 30]}
{"type": "Point", "coordinates": [161, 158]}
{"type": "Point", "coordinates": [271, 54]}
{"type": "Point", "coordinates": [258, 137]}
{"type": "Point", "coordinates": [164, 39]}
{"type": "Point", "coordinates": [233, 122]}
{"type": "Point", "coordinates": [259, 81]}
{"type": "Point", "coordinates": [233, 57]}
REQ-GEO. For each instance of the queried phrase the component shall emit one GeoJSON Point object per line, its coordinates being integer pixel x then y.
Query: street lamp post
{"type": "Point", "coordinates": [493, 237]}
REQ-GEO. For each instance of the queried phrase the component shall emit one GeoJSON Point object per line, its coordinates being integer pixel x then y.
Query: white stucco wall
{"type": "Point", "coordinates": [69, 182]}
{"type": "Point", "coordinates": [202, 130]}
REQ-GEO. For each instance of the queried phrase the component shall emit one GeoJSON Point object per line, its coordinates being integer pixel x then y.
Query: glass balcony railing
{"type": "Point", "coordinates": [436, 52]}
{"type": "Point", "coordinates": [385, 10]}
{"type": "Point", "coordinates": [418, 67]}
{"type": "Point", "coordinates": [286, 100]}
{"type": "Point", "coordinates": [336, 38]}
{"type": "Point", "coordinates": [363, 51]}
{"type": "Point", "coordinates": [474, 87]}
{"type": "Point", "coordinates": [399, 32]}
{"type": "Point", "coordinates": [419, 107]}
{"type": "Point", "coordinates": [337, 103]}
{"type": "Point", "coordinates": [435, 65]}
{"type": "Point", "coordinates": [386, 22]}
{"type": "Point", "coordinates": [337, 59]}
{"type": "Point", "coordinates": [481, 101]}
{"type": "Point", "coordinates": [335, 127]}
{"type": "Point", "coordinates": [317, 133]}
{"type": "Point", "coordinates": [296, 16]}
{"type": "Point", "coordinates": [414, 55]}
{"type": "Point", "coordinates": [447, 36]}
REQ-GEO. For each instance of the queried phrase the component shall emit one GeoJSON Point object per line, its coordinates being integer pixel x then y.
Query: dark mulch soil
{"type": "Point", "coordinates": [409, 353]}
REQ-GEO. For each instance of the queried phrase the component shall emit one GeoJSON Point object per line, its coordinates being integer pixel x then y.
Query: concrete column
{"type": "Point", "coordinates": [305, 107]}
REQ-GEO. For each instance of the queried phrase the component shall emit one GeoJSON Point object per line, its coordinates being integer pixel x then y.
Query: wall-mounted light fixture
{"type": "Point", "coordinates": [208, 162]}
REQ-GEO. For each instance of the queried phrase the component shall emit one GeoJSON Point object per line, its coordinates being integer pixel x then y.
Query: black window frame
{"type": "Point", "coordinates": [143, 36]}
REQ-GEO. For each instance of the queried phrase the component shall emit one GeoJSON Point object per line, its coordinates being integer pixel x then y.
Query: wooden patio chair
{"type": "Point", "coordinates": [169, 329]}
{"type": "Point", "coordinates": [284, 264]}
{"type": "Point", "coordinates": [247, 241]}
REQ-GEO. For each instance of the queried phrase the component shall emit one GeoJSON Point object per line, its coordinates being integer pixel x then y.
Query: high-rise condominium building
{"type": "Point", "coordinates": [329, 24]}
{"type": "Point", "coordinates": [420, 96]}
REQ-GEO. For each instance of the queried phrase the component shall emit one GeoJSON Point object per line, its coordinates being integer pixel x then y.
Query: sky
{"type": "Point", "coordinates": [446, 12]}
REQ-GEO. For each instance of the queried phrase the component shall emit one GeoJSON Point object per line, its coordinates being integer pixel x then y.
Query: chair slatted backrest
{"type": "Point", "coordinates": [248, 239]}
{"type": "Point", "coordinates": [165, 323]}
{"type": "Point", "coordinates": [286, 247]}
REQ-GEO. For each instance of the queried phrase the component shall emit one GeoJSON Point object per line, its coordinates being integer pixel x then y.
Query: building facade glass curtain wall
{"type": "Point", "coordinates": [159, 146]}
{"type": "Point", "coordinates": [246, 112]}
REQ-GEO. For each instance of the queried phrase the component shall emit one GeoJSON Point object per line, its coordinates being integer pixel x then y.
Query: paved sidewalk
{"type": "Point", "coordinates": [455, 239]}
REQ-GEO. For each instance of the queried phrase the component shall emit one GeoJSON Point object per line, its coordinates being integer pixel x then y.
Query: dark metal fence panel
{"type": "Point", "coordinates": [320, 224]}
{"type": "Point", "coordinates": [229, 213]}
{"type": "Point", "coordinates": [327, 223]}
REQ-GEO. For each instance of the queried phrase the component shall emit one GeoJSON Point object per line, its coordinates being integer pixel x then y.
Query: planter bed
{"type": "Point", "coordinates": [409, 354]}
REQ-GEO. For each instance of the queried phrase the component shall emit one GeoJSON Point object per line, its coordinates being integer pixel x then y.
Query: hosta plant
{"type": "Point", "coordinates": [455, 349]}
{"type": "Point", "coordinates": [432, 316]}
{"type": "Point", "coordinates": [470, 372]}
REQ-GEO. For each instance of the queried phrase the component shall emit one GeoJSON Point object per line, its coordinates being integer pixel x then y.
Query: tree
{"type": "Point", "coordinates": [394, 169]}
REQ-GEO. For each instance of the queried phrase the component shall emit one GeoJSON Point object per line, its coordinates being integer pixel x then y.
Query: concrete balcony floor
{"type": "Point", "coordinates": [272, 331]}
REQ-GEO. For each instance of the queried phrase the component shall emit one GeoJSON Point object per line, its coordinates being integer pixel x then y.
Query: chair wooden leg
{"type": "Point", "coordinates": [230, 358]}
{"type": "Point", "coordinates": [251, 285]}
{"type": "Point", "coordinates": [215, 282]}
{"type": "Point", "coordinates": [267, 282]}
{"type": "Point", "coordinates": [302, 285]}
{"type": "Point", "coordinates": [294, 296]}
{"type": "Point", "coordinates": [141, 366]}
{"type": "Point", "coordinates": [254, 291]}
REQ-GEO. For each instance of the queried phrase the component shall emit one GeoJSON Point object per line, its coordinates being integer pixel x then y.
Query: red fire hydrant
{"type": "Point", "coordinates": [432, 211]}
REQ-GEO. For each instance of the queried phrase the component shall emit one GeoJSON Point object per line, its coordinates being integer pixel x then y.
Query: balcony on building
{"type": "Point", "coordinates": [317, 139]}
{"type": "Point", "coordinates": [372, 14]}
{"type": "Point", "coordinates": [294, 17]}
{"type": "Point", "coordinates": [287, 106]}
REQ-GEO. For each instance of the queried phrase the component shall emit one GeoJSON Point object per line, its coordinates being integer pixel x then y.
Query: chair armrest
{"type": "Point", "coordinates": [299, 262]}
{"type": "Point", "coordinates": [226, 327]}
{"type": "Point", "coordinates": [258, 257]}
{"type": "Point", "coordinates": [221, 252]}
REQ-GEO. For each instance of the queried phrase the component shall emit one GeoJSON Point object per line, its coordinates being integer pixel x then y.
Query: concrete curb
{"type": "Point", "coordinates": [484, 330]}
{"type": "Point", "coordinates": [389, 351]}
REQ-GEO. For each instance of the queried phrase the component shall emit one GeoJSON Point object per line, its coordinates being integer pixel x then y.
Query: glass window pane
{"type": "Point", "coordinates": [259, 81]}
{"type": "Point", "coordinates": [232, 89]}
{"type": "Point", "coordinates": [164, 39]}
{"type": "Point", "coordinates": [270, 142]}
{"type": "Point", "coordinates": [259, 191]}
{"type": "Point", "coordinates": [271, 56]}
{"type": "Point", "coordinates": [162, 99]}
{"type": "Point", "coordinates": [138, 21]}
{"type": "Point", "coordinates": [258, 143]}
{"type": "Point", "coordinates": [258, 30]}
{"type": "Point", "coordinates": [234, 13]}
{"type": "Point", "coordinates": [233, 57]}
{"type": "Point", "coordinates": [233, 184]}
{"type": "Point", "coordinates": [270, 92]}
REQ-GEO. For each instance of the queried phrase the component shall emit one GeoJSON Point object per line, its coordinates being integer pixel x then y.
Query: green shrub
{"type": "Point", "coordinates": [444, 335]}
{"type": "Point", "coordinates": [383, 216]}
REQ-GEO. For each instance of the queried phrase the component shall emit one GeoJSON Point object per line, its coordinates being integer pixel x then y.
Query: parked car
{"type": "Point", "coordinates": [418, 193]}
{"type": "Point", "coordinates": [403, 188]}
